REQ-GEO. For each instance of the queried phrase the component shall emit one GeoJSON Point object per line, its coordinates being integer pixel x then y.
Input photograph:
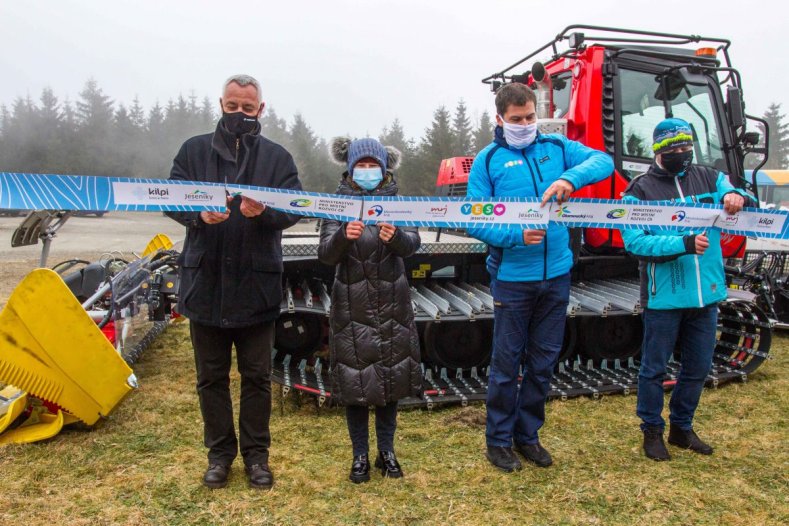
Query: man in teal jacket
{"type": "Point", "coordinates": [529, 269]}
{"type": "Point", "coordinates": [682, 282]}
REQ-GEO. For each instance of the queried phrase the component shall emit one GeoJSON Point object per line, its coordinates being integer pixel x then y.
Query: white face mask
{"type": "Point", "coordinates": [519, 135]}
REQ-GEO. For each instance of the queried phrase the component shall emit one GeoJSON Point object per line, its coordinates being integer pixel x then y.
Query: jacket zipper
{"type": "Point", "coordinates": [545, 239]}
{"type": "Point", "coordinates": [539, 172]}
{"type": "Point", "coordinates": [652, 274]}
{"type": "Point", "coordinates": [695, 256]}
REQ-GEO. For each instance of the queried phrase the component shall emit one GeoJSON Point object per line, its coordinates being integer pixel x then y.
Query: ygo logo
{"type": "Point", "coordinates": [478, 209]}
{"type": "Point", "coordinates": [301, 203]}
{"type": "Point", "coordinates": [616, 213]}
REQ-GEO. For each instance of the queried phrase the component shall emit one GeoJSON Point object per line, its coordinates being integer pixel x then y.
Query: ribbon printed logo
{"type": "Point", "coordinates": [376, 210]}
{"type": "Point", "coordinates": [158, 194]}
{"type": "Point", "coordinates": [616, 213]}
{"type": "Point", "coordinates": [479, 209]}
{"type": "Point", "coordinates": [531, 213]}
{"type": "Point", "coordinates": [198, 195]}
{"type": "Point", "coordinates": [565, 213]}
{"type": "Point", "coordinates": [678, 216]}
{"type": "Point", "coordinates": [301, 203]}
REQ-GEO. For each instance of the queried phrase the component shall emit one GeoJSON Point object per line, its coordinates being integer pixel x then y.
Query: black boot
{"type": "Point", "coordinates": [535, 453]}
{"type": "Point", "coordinates": [688, 440]}
{"type": "Point", "coordinates": [259, 476]}
{"type": "Point", "coordinates": [216, 476]}
{"type": "Point", "coordinates": [503, 458]}
{"type": "Point", "coordinates": [654, 447]}
{"type": "Point", "coordinates": [387, 463]}
{"type": "Point", "coordinates": [360, 469]}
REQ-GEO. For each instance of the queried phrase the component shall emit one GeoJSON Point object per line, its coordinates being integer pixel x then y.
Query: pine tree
{"type": "Point", "coordinates": [461, 128]}
{"type": "Point", "coordinates": [206, 116]}
{"type": "Point", "coordinates": [778, 157]}
{"type": "Point", "coordinates": [437, 145]}
{"type": "Point", "coordinates": [304, 149]}
{"type": "Point", "coordinates": [137, 114]}
{"type": "Point", "coordinates": [406, 174]}
{"type": "Point", "coordinates": [95, 116]}
{"type": "Point", "coordinates": [483, 135]}
{"type": "Point", "coordinates": [274, 128]}
{"type": "Point", "coordinates": [94, 109]}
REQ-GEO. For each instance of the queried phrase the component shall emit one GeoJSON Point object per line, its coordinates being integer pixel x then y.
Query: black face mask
{"type": "Point", "coordinates": [239, 123]}
{"type": "Point", "coordinates": [676, 162]}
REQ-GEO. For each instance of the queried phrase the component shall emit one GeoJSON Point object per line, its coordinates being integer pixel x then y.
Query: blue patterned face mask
{"type": "Point", "coordinates": [519, 135]}
{"type": "Point", "coordinates": [368, 178]}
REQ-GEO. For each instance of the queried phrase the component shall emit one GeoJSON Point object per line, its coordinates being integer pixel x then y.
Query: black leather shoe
{"type": "Point", "coordinates": [503, 458]}
{"type": "Point", "coordinates": [260, 476]}
{"type": "Point", "coordinates": [688, 440]}
{"type": "Point", "coordinates": [654, 447]}
{"type": "Point", "coordinates": [535, 453]}
{"type": "Point", "coordinates": [216, 476]}
{"type": "Point", "coordinates": [387, 463]}
{"type": "Point", "coordinates": [360, 469]}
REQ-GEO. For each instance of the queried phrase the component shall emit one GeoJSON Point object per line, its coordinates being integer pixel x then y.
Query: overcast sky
{"type": "Point", "coordinates": [348, 66]}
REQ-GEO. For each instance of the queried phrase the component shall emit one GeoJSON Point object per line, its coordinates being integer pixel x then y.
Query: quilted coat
{"type": "Point", "coordinates": [374, 342]}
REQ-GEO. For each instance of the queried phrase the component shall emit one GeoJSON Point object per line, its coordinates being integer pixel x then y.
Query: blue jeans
{"type": "Point", "coordinates": [528, 322]}
{"type": "Point", "coordinates": [695, 330]}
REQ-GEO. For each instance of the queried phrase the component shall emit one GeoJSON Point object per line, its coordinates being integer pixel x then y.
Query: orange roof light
{"type": "Point", "coordinates": [706, 52]}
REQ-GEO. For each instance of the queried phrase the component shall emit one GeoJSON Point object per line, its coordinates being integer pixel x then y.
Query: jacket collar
{"type": "Point", "coordinates": [658, 171]}
{"type": "Point", "coordinates": [224, 142]}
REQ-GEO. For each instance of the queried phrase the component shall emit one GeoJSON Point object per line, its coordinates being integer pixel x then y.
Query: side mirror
{"type": "Point", "coordinates": [734, 107]}
{"type": "Point", "coordinates": [751, 138]}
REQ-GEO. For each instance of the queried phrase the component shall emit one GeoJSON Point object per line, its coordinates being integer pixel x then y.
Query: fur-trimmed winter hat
{"type": "Point", "coordinates": [671, 133]}
{"type": "Point", "coordinates": [345, 151]}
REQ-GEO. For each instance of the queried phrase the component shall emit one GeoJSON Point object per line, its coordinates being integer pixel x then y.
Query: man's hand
{"type": "Point", "coordinates": [250, 207]}
{"type": "Point", "coordinates": [702, 243]}
{"type": "Point", "coordinates": [733, 202]}
{"type": "Point", "coordinates": [353, 230]}
{"type": "Point", "coordinates": [386, 232]}
{"type": "Point", "coordinates": [533, 237]}
{"type": "Point", "coordinates": [212, 218]}
{"type": "Point", "coordinates": [561, 189]}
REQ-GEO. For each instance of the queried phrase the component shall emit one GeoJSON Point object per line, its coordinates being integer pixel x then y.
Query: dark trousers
{"type": "Point", "coordinates": [528, 328]}
{"type": "Point", "coordinates": [213, 353]}
{"type": "Point", "coordinates": [695, 330]}
{"type": "Point", "coordinates": [385, 425]}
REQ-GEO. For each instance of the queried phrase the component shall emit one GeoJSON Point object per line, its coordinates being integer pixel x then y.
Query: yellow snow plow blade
{"type": "Point", "coordinates": [51, 348]}
{"type": "Point", "coordinates": [159, 242]}
{"type": "Point", "coordinates": [12, 402]}
{"type": "Point", "coordinates": [47, 426]}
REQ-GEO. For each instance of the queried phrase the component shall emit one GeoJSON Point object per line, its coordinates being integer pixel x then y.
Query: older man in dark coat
{"type": "Point", "coordinates": [231, 275]}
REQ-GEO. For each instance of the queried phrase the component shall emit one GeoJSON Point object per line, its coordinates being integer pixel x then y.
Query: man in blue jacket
{"type": "Point", "coordinates": [529, 269]}
{"type": "Point", "coordinates": [682, 282]}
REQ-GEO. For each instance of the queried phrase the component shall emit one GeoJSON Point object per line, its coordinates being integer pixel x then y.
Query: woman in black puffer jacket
{"type": "Point", "coordinates": [374, 342]}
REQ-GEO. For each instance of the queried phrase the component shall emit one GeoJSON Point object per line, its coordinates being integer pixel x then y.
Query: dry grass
{"type": "Point", "coordinates": [143, 466]}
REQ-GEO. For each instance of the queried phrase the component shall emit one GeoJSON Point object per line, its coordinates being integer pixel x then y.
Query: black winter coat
{"type": "Point", "coordinates": [231, 272]}
{"type": "Point", "coordinates": [374, 341]}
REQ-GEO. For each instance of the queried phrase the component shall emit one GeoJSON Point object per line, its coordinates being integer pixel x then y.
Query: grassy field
{"type": "Point", "coordinates": [144, 465]}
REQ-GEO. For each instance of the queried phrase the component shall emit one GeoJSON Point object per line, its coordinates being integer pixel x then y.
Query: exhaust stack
{"type": "Point", "coordinates": [544, 91]}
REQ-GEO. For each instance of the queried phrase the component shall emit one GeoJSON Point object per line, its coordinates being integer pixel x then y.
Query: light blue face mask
{"type": "Point", "coordinates": [368, 178]}
{"type": "Point", "coordinates": [519, 135]}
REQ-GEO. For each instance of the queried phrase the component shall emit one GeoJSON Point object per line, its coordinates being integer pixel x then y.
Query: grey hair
{"type": "Point", "coordinates": [243, 80]}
